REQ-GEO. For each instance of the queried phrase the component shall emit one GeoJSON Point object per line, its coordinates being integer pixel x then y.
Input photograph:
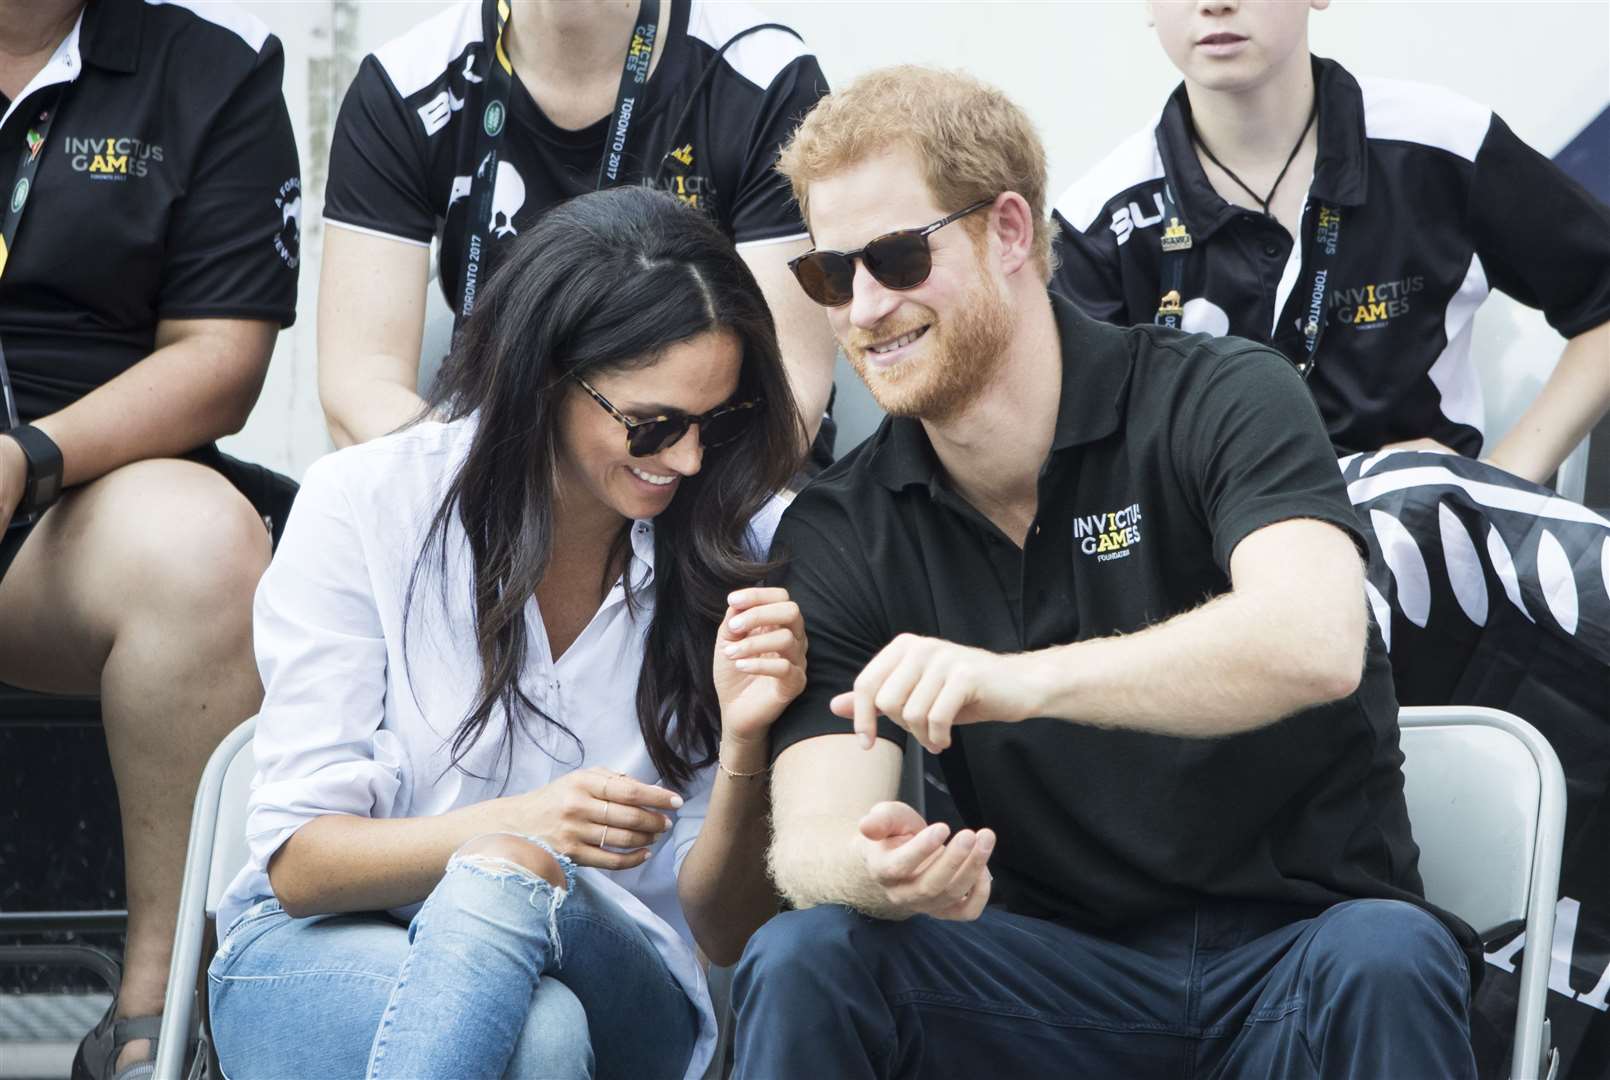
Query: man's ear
{"type": "Point", "coordinates": [1012, 223]}
{"type": "Point", "coordinates": [1319, 5]}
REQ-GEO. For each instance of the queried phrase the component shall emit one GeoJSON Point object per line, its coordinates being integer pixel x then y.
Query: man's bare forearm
{"type": "Point", "coordinates": [196, 386]}
{"type": "Point", "coordinates": [1245, 659]}
{"type": "Point", "coordinates": [814, 861]}
{"type": "Point", "coordinates": [1201, 674]}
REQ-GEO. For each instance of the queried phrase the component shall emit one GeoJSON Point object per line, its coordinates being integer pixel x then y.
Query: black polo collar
{"type": "Point", "coordinates": [1096, 365]}
{"type": "Point", "coordinates": [1339, 167]}
{"type": "Point", "coordinates": [110, 36]}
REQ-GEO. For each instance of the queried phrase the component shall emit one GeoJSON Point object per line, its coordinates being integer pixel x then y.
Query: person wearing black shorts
{"type": "Point", "coordinates": [152, 206]}
{"type": "Point", "coordinates": [470, 125]}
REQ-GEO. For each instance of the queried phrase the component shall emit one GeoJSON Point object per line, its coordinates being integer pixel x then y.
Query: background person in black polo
{"type": "Point", "coordinates": [405, 150]}
{"type": "Point", "coordinates": [1490, 589]}
{"type": "Point", "coordinates": [1437, 202]}
{"type": "Point", "coordinates": [1110, 576]}
{"type": "Point", "coordinates": [154, 262]}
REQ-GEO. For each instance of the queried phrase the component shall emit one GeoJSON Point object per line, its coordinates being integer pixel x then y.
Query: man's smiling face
{"type": "Point", "coordinates": [924, 351]}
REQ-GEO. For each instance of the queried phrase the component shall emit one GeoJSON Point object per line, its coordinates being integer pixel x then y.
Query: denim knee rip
{"type": "Point", "coordinates": [543, 891]}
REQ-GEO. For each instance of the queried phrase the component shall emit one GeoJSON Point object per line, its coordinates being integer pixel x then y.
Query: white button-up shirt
{"type": "Point", "coordinates": [350, 725]}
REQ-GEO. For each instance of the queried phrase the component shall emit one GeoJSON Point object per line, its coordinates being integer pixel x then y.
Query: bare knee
{"type": "Point", "coordinates": [206, 545]}
{"type": "Point", "coordinates": [508, 848]}
{"type": "Point", "coordinates": [174, 542]}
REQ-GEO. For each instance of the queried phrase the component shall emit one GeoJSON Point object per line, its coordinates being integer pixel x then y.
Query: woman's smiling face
{"type": "Point", "coordinates": [597, 472]}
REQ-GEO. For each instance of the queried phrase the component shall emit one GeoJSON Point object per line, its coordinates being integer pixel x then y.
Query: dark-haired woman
{"type": "Point", "coordinates": [468, 126]}
{"type": "Point", "coordinates": [519, 676]}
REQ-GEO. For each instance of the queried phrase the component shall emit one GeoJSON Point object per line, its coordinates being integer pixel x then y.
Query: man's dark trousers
{"type": "Point", "coordinates": [1366, 990]}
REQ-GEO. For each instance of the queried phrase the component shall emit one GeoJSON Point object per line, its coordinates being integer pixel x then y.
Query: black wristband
{"type": "Point", "coordinates": [44, 469]}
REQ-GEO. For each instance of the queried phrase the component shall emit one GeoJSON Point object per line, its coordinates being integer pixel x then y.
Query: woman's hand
{"type": "Point", "coordinates": [759, 662]}
{"type": "Point", "coordinates": [597, 817]}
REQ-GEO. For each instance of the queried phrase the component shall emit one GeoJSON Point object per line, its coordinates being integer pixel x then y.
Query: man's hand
{"type": "Point", "coordinates": [927, 686]}
{"type": "Point", "coordinates": [13, 478]}
{"type": "Point", "coordinates": [918, 872]}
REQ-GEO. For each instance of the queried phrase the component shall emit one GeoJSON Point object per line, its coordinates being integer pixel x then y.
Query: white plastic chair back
{"type": "Point", "coordinates": [1486, 801]}
{"type": "Point", "coordinates": [229, 838]}
{"type": "Point", "coordinates": [217, 851]}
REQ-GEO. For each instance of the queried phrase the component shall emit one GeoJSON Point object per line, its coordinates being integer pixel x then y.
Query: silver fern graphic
{"type": "Point", "coordinates": [1445, 526]}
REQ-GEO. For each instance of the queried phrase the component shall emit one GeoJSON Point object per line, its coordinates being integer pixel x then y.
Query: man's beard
{"type": "Point", "coordinates": [962, 357]}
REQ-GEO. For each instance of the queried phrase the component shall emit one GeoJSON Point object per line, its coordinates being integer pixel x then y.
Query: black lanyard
{"type": "Point", "coordinates": [33, 148]}
{"type": "Point", "coordinates": [1326, 238]}
{"type": "Point", "coordinates": [499, 83]}
{"type": "Point", "coordinates": [634, 74]}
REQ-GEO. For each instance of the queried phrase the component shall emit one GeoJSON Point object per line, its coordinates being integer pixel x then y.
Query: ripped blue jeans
{"type": "Point", "coordinates": [498, 975]}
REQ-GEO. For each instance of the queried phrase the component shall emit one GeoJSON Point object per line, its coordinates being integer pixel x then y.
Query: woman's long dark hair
{"type": "Point", "coordinates": [606, 282]}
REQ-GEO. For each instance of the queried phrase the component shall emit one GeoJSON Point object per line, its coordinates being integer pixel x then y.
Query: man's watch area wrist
{"type": "Point", "coordinates": [1027, 671]}
{"type": "Point", "coordinates": [43, 458]}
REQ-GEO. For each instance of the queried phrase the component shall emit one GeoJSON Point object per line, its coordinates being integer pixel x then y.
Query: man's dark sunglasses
{"type": "Point", "coordinates": [899, 260]}
{"type": "Point", "coordinates": [650, 435]}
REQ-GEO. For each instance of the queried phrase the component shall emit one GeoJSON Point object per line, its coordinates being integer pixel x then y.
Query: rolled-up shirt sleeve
{"type": "Point", "coordinates": [321, 653]}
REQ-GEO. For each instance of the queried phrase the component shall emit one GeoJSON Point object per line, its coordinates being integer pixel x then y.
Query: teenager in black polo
{"type": "Point", "coordinates": [1357, 226]}
{"type": "Point", "coordinates": [153, 209]}
{"type": "Point", "coordinates": [1396, 206]}
{"type": "Point", "coordinates": [724, 88]}
{"type": "Point", "coordinates": [1110, 577]}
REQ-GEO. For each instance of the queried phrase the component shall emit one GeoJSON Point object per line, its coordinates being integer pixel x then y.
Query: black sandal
{"type": "Point", "coordinates": [98, 1051]}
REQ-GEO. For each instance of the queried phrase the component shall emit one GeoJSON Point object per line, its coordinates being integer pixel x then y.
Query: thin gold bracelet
{"type": "Point", "coordinates": [741, 775]}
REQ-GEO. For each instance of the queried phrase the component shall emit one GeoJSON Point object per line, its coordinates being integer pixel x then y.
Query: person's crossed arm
{"type": "Point", "coordinates": [1288, 634]}
{"type": "Point", "coordinates": [839, 837]}
{"type": "Point", "coordinates": [1239, 662]}
{"type": "Point", "coordinates": [1244, 659]}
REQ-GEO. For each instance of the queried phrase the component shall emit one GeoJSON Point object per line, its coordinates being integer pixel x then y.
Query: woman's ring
{"type": "Point", "coordinates": [603, 837]}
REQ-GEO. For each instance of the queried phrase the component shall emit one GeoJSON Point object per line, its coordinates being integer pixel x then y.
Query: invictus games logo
{"type": "Point", "coordinates": [689, 187]}
{"type": "Point", "coordinates": [1371, 307]}
{"type": "Point", "coordinates": [288, 239]}
{"type": "Point", "coordinates": [1108, 536]}
{"type": "Point", "coordinates": [640, 53]}
{"type": "Point", "coordinates": [1329, 228]}
{"type": "Point", "coordinates": [112, 158]}
{"type": "Point", "coordinates": [492, 119]}
{"type": "Point", "coordinates": [19, 194]}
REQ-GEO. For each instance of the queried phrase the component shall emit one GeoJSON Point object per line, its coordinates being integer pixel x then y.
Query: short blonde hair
{"type": "Point", "coordinates": [974, 143]}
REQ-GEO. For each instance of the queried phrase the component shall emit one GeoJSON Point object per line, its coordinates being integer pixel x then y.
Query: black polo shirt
{"type": "Point", "coordinates": [167, 189]}
{"type": "Point", "coordinates": [1439, 202]}
{"type": "Point", "coordinates": [404, 153]}
{"type": "Point", "coordinates": [1169, 450]}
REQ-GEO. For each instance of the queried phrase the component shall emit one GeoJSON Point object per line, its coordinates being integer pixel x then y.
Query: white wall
{"type": "Point", "coordinates": [1088, 72]}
